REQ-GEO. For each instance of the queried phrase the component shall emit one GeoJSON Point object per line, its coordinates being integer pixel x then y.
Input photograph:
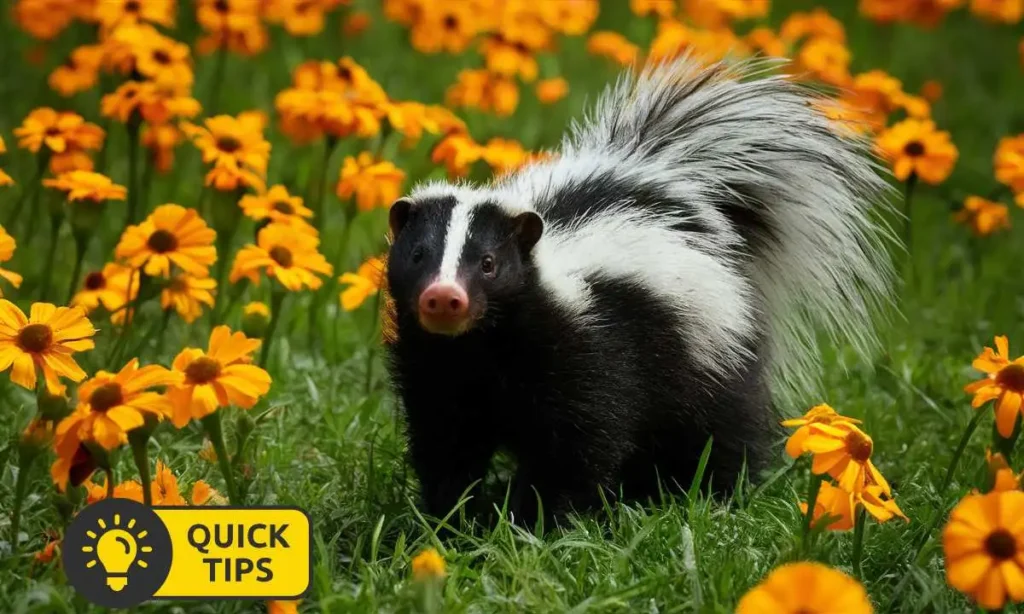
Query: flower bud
{"type": "Point", "coordinates": [255, 320]}
{"type": "Point", "coordinates": [53, 407]}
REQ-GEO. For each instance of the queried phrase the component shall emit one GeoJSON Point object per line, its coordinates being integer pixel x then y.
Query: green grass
{"type": "Point", "coordinates": [333, 445]}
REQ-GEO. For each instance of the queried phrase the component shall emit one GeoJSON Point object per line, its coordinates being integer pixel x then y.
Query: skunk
{"type": "Point", "coordinates": [602, 314]}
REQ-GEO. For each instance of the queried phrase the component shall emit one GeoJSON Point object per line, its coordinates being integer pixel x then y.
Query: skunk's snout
{"type": "Point", "coordinates": [444, 308]}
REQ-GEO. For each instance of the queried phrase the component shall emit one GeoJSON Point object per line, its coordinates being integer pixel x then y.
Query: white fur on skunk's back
{"type": "Point", "coordinates": [720, 139]}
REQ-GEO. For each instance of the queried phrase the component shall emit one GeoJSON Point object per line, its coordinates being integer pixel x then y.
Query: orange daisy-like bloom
{"type": "Point", "coordinates": [825, 59]}
{"type": "Point", "coordinates": [161, 141]}
{"type": "Point", "coordinates": [818, 23]}
{"type": "Point", "coordinates": [44, 341]}
{"type": "Point", "coordinates": [834, 505]}
{"type": "Point", "coordinates": [660, 8]}
{"type": "Point", "coordinates": [163, 489]}
{"type": "Point", "coordinates": [58, 131]}
{"type": "Point", "coordinates": [112, 13]}
{"type": "Point", "coordinates": [113, 287]}
{"type": "Point", "coordinates": [362, 284]}
{"type": "Point", "coordinates": [844, 451]}
{"type": "Point", "coordinates": [458, 152]}
{"type": "Point", "coordinates": [819, 414]}
{"type": "Point", "coordinates": [159, 58]}
{"type": "Point", "coordinates": [79, 72]}
{"type": "Point", "coordinates": [86, 185]}
{"type": "Point", "coordinates": [504, 155]}
{"type": "Point", "coordinates": [1001, 11]}
{"type": "Point", "coordinates": [170, 235]}
{"type": "Point", "coordinates": [444, 26]}
{"type": "Point", "coordinates": [916, 147]}
{"type": "Point", "coordinates": [411, 119]}
{"type": "Point", "coordinates": [1004, 383]}
{"type": "Point", "coordinates": [984, 546]}
{"type": "Point", "coordinates": [1009, 164]}
{"type": "Point", "coordinates": [187, 294]}
{"type": "Point", "coordinates": [219, 377]}
{"type": "Point", "coordinates": [300, 17]}
{"type": "Point", "coordinates": [613, 46]}
{"type": "Point", "coordinates": [505, 58]}
{"type": "Point", "coordinates": [277, 205]}
{"type": "Point", "coordinates": [7, 247]}
{"type": "Point", "coordinates": [44, 19]}
{"type": "Point", "coordinates": [374, 183]}
{"type": "Point", "coordinates": [427, 565]}
{"type": "Point", "coordinates": [338, 99]}
{"type": "Point", "coordinates": [236, 149]}
{"type": "Point", "coordinates": [231, 24]}
{"type": "Point", "coordinates": [153, 102]}
{"type": "Point", "coordinates": [550, 91]}
{"type": "Point", "coordinates": [282, 253]}
{"type": "Point", "coordinates": [74, 467]}
{"type": "Point", "coordinates": [111, 404]}
{"type": "Point", "coordinates": [1002, 476]}
{"type": "Point", "coordinates": [283, 607]}
{"type": "Point", "coordinates": [569, 18]}
{"type": "Point", "coordinates": [876, 93]}
{"type": "Point", "coordinates": [484, 90]}
{"type": "Point", "coordinates": [806, 588]}
{"type": "Point", "coordinates": [765, 41]}
{"type": "Point", "coordinates": [983, 216]}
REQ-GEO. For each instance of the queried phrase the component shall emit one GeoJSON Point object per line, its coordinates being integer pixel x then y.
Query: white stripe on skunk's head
{"type": "Point", "coordinates": [455, 255]}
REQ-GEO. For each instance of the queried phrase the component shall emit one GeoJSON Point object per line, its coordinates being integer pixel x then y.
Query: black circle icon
{"type": "Point", "coordinates": [117, 553]}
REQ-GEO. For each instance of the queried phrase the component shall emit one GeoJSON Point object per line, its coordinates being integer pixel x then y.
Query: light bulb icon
{"type": "Point", "coordinates": [116, 549]}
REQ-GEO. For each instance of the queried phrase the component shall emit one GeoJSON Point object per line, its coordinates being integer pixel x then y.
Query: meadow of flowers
{"type": "Point", "coordinates": [193, 197]}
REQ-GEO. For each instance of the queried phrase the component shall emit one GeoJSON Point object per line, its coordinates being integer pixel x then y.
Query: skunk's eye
{"type": "Point", "coordinates": [487, 265]}
{"type": "Point", "coordinates": [417, 254]}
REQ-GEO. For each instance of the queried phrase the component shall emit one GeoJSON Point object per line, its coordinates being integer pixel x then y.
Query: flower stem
{"type": "Point", "coordinates": [132, 127]}
{"type": "Point", "coordinates": [859, 529]}
{"type": "Point", "coordinates": [139, 442]}
{"type": "Point", "coordinates": [319, 187]}
{"type": "Point", "coordinates": [31, 194]}
{"type": "Point", "coordinates": [276, 300]}
{"type": "Point", "coordinates": [20, 487]}
{"type": "Point", "coordinates": [81, 245]}
{"type": "Point", "coordinates": [812, 501]}
{"type": "Point", "coordinates": [110, 482]}
{"type": "Point", "coordinates": [55, 222]}
{"type": "Point", "coordinates": [218, 80]}
{"type": "Point", "coordinates": [216, 434]}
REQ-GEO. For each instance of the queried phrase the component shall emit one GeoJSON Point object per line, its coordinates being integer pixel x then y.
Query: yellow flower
{"type": "Point", "coordinates": [219, 377]}
{"type": "Point", "coordinates": [43, 341]}
{"type": "Point", "coordinates": [362, 284]}
{"type": "Point", "coordinates": [458, 152]}
{"type": "Point", "coordinates": [814, 24]}
{"type": "Point", "coordinates": [74, 466]}
{"type": "Point", "coordinates": [59, 132]}
{"type": "Point", "coordinates": [660, 8]}
{"type": "Point", "coordinates": [1009, 164]}
{"type": "Point", "coordinates": [806, 588]}
{"type": "Point", "coordinates": [256, 308]}
{"type": "Point", "coordinates": [111, 404]}
{"type": "Point", "coordinates": [231, 24]}
{"type": "Point", "coordinates": [187, 294]}
{"type": "Point", "coordinates": [204, 494]}
{"type": "Point", "coordinates": [825, 59]}
{"type": "Point", "coordinates": [7, 247]}
{"type": "Point", "coordinates": [505, 58]}
{"type": "Point", "coordinates": [86, 185]}
{"type": "Point", "coordinates": [983, 543]}
{"type": "Point", "coordinates": [277, 205]}
{"type": "Point", "coordinates": [1004, 383]}
{"type": "Point", "coordinates": [1002, 476]}
{"type": "Point", "coordinates": [170, 235]}
{"type": "Point", "coordinates": [765, 41]}
{"type": "Point", "coordinates": [161, 140]}
{"type": "Point", "coordinates": [411, 119]}
{"type": "Point", "coordinates": [255, 320]}
{"type": "Point", "coordinates": [44, 19]}
{"type": "Point", "coordinates": [300, 17]}
{"type": "Point", "coordinates": [159, 58]}
{"type": "Point", "coordinates": [373, 183]}
{"type": "Point", "coordinates": [444, 26]}
{"type": "Point", "coordinates": [834, 504]}
{"type": "Point", "coordinates": [153, 102]}
{"type": "Point", "coordinates": [878, 503]}
{"type": "Point", "coordinates": [427, 565]}
{"type": "Point", "coordinates": [282, 253]}
{"type": "Point", "coordinates": [112, 13]}
{"type": "Point", "coordinates": [235, 147]}
{"type": "Point", "coordinates": [356, 22]}
{"type": "Point", "coordinates": [79, 72]}
{"type": "Point", "coordinates": [984, 217]}
{"type": "Point", "coordinates": [613, 46]}
{"type": "Point", "coordinates": [109, 287]}
{"type": "Point", "coordinates": [819, 414]}
{"type": "Point", "coordinates": [844, 451]}
{"type": "Point", "coordinates": [552, 90]}
{"type": "Point", "coordinates": [485, 91]}
{"type": "Point", "coordinates": [570, 18]}
{"type": "Point", "coordinates": [1005, 11]}
{"type": "Point", "coordinates": [916, 147]}
{"type": "Point", "coordinates": [504, 155]}
{"type": "Point", "coordinates": [283, 607]}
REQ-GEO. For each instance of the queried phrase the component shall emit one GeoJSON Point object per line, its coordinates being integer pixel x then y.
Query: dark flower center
{"type": "Point", "coordinates": [914, 149]}
{"type": "Point", "coordinates": [35, 338]}
{"type": "Point", "coordinates": [106, 396]}
{"type": "Point", "coordinates": [228, 144]}
{"type": "Point", "coordinates": [162, 241]}
{"type": "Point", "coordinates": [221, 6]}
{"type": "Point", "coordinates": [53, 131]}
{"type": "Point", "coordinates": [202, 370]}
{"type": "Point", "coordinates": [450, 22]}
{"type": "Point", "coordinates": [70, 63]}
{"type": "Point", "coordinates": [162, 57]}
{"type": "Point", "coordinates": [283, 207]}
{"type": "Point", "coordinates": [82, 466]}
{"type": "Point", "coordinates": [94, 281]}
{"type": "Point", "coordinates": [859, 446]}
{"type": "Point", "coordinates": [1011, 377]}
{"type": "Point", "coordinates": [345, 73]}
{"type": "Point", "coordinates": [1000, 544]}
{"type": "Point", "coordinates": [132, 6]}
{"type": "Point", "coordinates": [281, 255]}
{"type": "Point", "coordinates": [178, 285]}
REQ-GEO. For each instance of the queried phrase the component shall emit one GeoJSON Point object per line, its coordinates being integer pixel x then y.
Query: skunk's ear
{"type": "Point", "coordinates": [529, 228]}
{"type": "Point", "coordinates": [399, 215]}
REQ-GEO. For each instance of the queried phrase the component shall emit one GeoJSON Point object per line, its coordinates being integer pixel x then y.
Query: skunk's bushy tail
{"type": "Point", "coordinates": [793, 191]}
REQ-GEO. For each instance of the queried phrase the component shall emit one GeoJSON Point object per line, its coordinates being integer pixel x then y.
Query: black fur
{"type": "Point", "coordinates": [612, 404]}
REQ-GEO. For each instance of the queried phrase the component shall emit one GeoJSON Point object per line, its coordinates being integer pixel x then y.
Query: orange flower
{"type": "Point", "coordinates": [983, 543]}
{"type": "Point", "coordinates": [112, 13]}
{"type": "Point", "coordinates": [109, 287]}
{"type": "Point", "coordinates": [504, 155]}
{"type": "Point", "coordinates": [44, 341]}
{"type": "Point", "coordinates": [7, 246]}
{"type": "Point", "coordinates": [1003, 478]}
{"type": "Point", "coordinates": [552, 90]}
{"type": "Point", "coordinates": [765, 41]}
{"type": "Point", "coordinates": [1004, 384]}
{"type": "Point", "coordinates": [569, 18]}
{"type": "Point", "coordinates": [203, 494]}
{"type": "Point", "coordinates": [79, 72]}
{"type": "Point", "coordinates": [283, 607]}
{"type": "Point", "coordinates": [111, 404]}
{"type": "Point", "coordinates": [362, 284]}
{"type": "Point", "coordinates": [338, 99]}
{"type": "Point", "coordinates": [282, 253]}
{"type": "Point", "coordinates": [458, 152]}
{"type": "Point", "coordinates": [231, 24]}
{"type": "Point", "coordinates": [613, 46]}
{"type": "Point", "coordinates": [984, 217]}
{"type": "Point", "coordinates": [374, 183]}
{"type": "Point", "coordinates": [86, 185]}
{"type": "Point", "coordinates": [428, 565]}
{"type": "Point", "coordinates": [155, 103]}
{"type": "Point", "coordinates": [161, 140]}
{"type": "Point", "coordinates": [44, 19]}
{"type": "Point", "coordinates": [833, 504]}
{"type": "Point", "coordinates": [220, 377]}
{"type": "Point", "coordinates": [300, 17]}
{"type": "Point", "coordinates": [170, 235]}
{"type": "Point", "coordinates": [806, 588]}
{"type": "Point", "coordinates": [1004, 11]}
{"type": "Point", "coordinates": [932, 90]}
{"type": "Point", "coordinates": [819, 414]}
{"type": "Point", "coordinates": [159, 58]}
{"type": "Point", "coordinates": [661, 8]}
{"type": "Point", "coordinates": [277, 205]}
{"type": "Point", "coordinates": [1009, 164]}
{"type": "Point", "coordinates": [814, 24]}
{"type": "Point", "coordinates": [844, 451]}
{"type": "Point", "coordinates": [5, 179]}
{"type": "Point", "coordinates": [916, 147]}
{"type": "Point", "coordinates": [411, 119]}
{"type": "Point", "coordinates": [483, 90]}
{"type": "Point", "coordinates": [58, 131]}
{"type": "Point", "coordinates": [510, 60]}
{"type": "Point", "coordinates": [356, 23]}
{"type": "Point", "coordinates": [825, 59]}
{"type": "Point", "coordinates": [235, 147]}
{"type": "Point", "coordinates": [444, 26]}
{"type": "Point", "coordinates": [187, 294]}
{"type": "Point", "coordinates": [46, 555]}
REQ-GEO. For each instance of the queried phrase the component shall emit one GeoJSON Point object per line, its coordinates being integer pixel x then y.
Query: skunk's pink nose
{"type": "Point", "coordinates": [444, 307]}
